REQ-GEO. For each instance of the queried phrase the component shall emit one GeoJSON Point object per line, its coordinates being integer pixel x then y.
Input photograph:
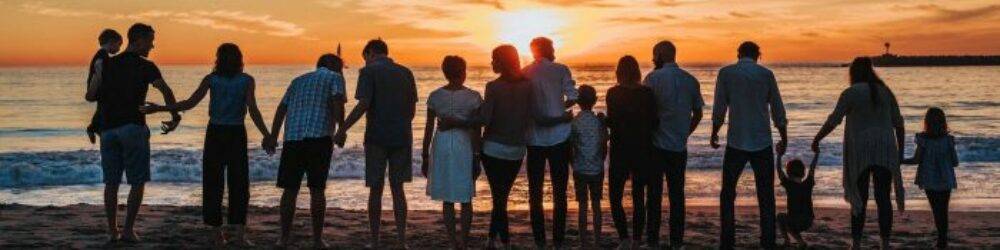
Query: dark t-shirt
{"type": "Point", "coordinates": [392, 94]}
{"type": "Point", "coordinates": [506, 111]}
{"type": "Point", "coordinates": [800, 202]}
{"type": "Point", "coordinates": [100, 55]}
{"type": "Point", "coordinates": [631, 116]}
{"type": "Point", "coordinates": [127, 77]}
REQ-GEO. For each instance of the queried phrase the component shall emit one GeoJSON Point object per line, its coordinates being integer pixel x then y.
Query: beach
{"type": "Point", "coordinates": [162, 226]}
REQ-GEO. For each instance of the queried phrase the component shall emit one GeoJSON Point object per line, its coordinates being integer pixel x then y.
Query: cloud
{"type": "Point", "coordinates": [219, 19]}
{"type": "Point", "coordinates": [636, 20]}
{"type": "Point", "coordinates": [739, 14]}
{"type": "Point", "coordinates": [587, 3]}
{"type": "Point", "coordinates": [943, 14]}
{"type": "Point", "coordinates": [492, 3]}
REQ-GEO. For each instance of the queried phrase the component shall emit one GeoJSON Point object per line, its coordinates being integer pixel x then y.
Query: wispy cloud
{"type": "Point", "coordinates": [493, 3]}
{"type": "Point", "coordinates": [943, 14]}
{"type": "Point", "coordinates": [637, 20]}
{"type": "Point", "coordinates": [220, 19]}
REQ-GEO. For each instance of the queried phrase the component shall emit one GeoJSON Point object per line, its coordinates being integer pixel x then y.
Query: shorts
{"type": "Point", "coordinates": [310, 157]}
{"type": "Point", "coordinates": [125, 149]}
{"type": "Point", "coordinates": [400, 164]}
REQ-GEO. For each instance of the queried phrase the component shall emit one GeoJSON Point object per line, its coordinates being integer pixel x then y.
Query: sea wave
{"type": "Point", "coordinates": [58, 168]}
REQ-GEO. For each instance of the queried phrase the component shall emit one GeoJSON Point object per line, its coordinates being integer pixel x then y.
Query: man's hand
{"type": "Point", "coordinates": [815, 146]}
{"type": "Point", "coordinates": [269, 144]}
{"type": "Point", "coordinates": [781, 147]}
{"type": "Point", "coordinates": [340, 138]}
{"type": "Point", "coordinates": [169, 126]}
{"type": "Point", "coordinates": [714, 141]}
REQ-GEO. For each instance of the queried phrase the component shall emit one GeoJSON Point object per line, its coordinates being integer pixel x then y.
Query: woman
{"type": "Point", "coordinates": [449, 164]}
{"type": "Point", "coordinates": [873, 146]}
{"type": "Point", "coordinates": [225, 154]}
{"type": "Point", "coordinates": [505, 113]}
{"type": "Point", "coordinates": [632, 119]}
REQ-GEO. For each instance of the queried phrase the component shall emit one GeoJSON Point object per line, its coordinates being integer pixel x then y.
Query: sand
{"type": "Point", "coordinates": [82, 226]}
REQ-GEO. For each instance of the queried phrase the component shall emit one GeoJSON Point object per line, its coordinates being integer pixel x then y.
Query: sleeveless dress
{"type": "Point", "coordinates": [450, 174]}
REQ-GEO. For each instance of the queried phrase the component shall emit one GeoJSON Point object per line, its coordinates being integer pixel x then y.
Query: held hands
{"type": "Point", "coordinates": [270, 144]}
{"type": "Point", "coordinates": [714, 141]}
{"type": "Point", "coordinates": [781, 147]}
{"type": "Point", "coordinates": [815, 146]}
{"type": "Point", "coordinates": [171, 125]}
{"type": "Point", "coordinates": [340, 138]}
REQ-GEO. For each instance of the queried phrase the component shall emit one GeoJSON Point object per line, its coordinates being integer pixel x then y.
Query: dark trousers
{"type": "Point", "coordinates": [762, 163]}
{"type": "Point", "coordinates": [882, 179]}
{"type": "Point", "coordinates": [557, 157]}
{"type": "Point", "coordinates": [225, 158]}
{"type": "Point", "coordinates": [647, 189]}
{"type": "Point", "coordinates": [673, 165]}
{"type": "Point", "coordinates": [500, 174]}
{"type": "Point", "coordinates": [939, 207]}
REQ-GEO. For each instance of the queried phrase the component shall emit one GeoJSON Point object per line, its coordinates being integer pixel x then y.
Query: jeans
{"type": "Point", "coordinates": [557, 157]}
{"type": "Point", "coordinates": [225, 158]}
{"type": "Point", "coordinates": [939, 207]}
{"type": "Point", "coordinates": [674, 165]}
{"type": "Point", "coordinates": [882, 179]}
{"type": "Point", "coordinates": [762, 163]}
{"type": "Point", "coordinates": [500, 174]}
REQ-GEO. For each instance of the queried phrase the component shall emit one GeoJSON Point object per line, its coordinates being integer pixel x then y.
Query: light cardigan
{"type": "Point", "coordinates": [869, 138]}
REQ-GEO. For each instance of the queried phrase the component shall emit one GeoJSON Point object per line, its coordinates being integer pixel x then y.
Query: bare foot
{"type": "Point", "coordinates": [220, 238]}
{"type": "Point", "coordinates": [130, 237]}
{"type": "Point", "coordinates": [320, 244]}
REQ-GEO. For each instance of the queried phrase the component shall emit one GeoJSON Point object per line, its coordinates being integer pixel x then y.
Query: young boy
{"type": "Point", "coordinates": [589, 137]}
{"type": "Point", "coordinates": [110, 42]}
{"type": "Point", "coordinates": [798, 189]}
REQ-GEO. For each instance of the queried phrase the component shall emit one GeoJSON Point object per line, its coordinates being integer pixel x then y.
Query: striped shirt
{"type": "Point", "coordinates": [307, 100]}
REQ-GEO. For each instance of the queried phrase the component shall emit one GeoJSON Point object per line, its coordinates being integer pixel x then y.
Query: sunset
{"type": "Point", "coordinates": [500, 124]}
{"type": "Point", "coordinates": [587, 32]}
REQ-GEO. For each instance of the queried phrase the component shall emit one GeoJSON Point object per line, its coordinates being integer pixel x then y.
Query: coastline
{"type": "Point", "coordinates": [162, 226]}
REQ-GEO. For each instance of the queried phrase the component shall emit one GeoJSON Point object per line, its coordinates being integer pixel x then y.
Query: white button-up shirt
{"type": "Point", "coordinates": [750, 94]}
{"type": "Point", "coordinates": [677, 93]}
{"type": "Point", "coordinates": [553, 85]}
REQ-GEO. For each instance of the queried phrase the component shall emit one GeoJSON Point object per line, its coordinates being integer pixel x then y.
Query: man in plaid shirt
{"type": "Point", "coordinates": [314, 105]}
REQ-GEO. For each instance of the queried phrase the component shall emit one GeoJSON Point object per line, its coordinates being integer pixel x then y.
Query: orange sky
{"type": "Point", "coordinates": [422, 32]}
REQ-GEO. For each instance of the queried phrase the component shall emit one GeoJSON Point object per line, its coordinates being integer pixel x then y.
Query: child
{"type": "Point", "coordinates": [798, 189]}
{"type": "Point", "coordinates": [937, 160]}
{"type": "Point", "coordinates": [225, 155]}
{"type": "Point", "coordinates": [589, 137]}
{"type": "Point", "coordinates": [110, 42]}
{"type": "Point", "coordinates": [450, 164]}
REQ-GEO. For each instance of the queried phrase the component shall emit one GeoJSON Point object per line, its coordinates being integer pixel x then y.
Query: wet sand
{"type": "Point", "coordinates": [82, 226]}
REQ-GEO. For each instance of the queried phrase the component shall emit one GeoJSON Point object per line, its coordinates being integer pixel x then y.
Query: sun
{"type": "Point", "coordinates": [518, 27]}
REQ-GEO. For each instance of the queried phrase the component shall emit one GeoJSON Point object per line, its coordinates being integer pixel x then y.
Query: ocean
{"type": "Point", "coordinates": [45, 158]}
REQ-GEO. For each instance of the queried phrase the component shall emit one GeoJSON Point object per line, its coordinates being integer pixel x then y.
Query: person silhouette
{"type": "Point", "coordinates": [748, 93]}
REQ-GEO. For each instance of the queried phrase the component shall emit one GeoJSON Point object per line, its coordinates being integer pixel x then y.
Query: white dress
{"type": "Point", "coordinates": [450, 173]}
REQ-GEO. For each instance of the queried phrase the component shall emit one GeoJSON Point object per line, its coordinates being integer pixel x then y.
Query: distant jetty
{"type": "Point", "coordinates": [891, 60]}
{"type": "Point", "coordinates": [888, 59]}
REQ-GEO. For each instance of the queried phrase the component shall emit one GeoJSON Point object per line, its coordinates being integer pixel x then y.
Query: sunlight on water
{"type": "Point", "coordinates": [45, 158]}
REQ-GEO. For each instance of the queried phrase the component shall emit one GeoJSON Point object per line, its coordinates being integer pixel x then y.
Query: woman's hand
{"type": "Point", "coordinates": [815, 146]}
{"type": "Point", "coordinates": [150, 108]}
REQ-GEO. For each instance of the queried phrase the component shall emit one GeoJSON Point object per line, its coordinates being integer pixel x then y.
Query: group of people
{"type": "Point", "coordinates": [525, 113]}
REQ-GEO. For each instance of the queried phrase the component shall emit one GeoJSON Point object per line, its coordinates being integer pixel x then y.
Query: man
{"type": "Point", "coordinates": [749, 92]}
{"type": "Point", "coordinates": [387, 92]}
{"type": "Point", "coordinates": [314, 105]}
{"type": "Point", "coordinates": [554, 92]}
{"type": "Point", "coordinates": [679, 104]}
{"type": "Point", "coordinates": [119, 92]}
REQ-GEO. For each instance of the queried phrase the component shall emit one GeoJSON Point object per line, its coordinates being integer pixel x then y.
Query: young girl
{"type": "Point", "coordinates": [225, 139]}
{"type": "Point", "coordinates": [798, 189]}
{"type": "Point", "coordinates": [937, 160]}
{"type": "Point", "coordinates": [450, 163]}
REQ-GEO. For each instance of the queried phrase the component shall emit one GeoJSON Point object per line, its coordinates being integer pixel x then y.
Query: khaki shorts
{"type": "Point", "coordinates": [398, 160]}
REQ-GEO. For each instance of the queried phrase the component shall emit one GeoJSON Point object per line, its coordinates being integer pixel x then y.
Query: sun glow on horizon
{"type": "Point", "coordinates": [518, 27]}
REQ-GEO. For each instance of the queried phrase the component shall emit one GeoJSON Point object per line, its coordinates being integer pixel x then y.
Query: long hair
{"type": "Point", "coordinates": [509, 62]}
{"type": "Point", "coordinates": [627, 71]}
{"type": "Point", "coordinates": [228, 60]}
{"type": "Point", "coordinates": [862, 71]}
{"type": "Point", "coordinates": [935, 123]}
